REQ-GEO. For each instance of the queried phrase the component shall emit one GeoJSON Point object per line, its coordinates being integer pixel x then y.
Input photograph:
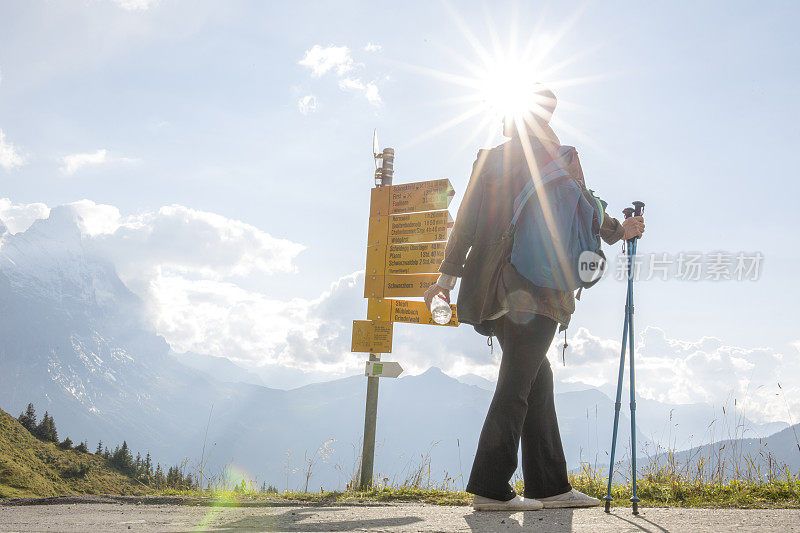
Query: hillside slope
{"type": "Point", "coordinates": [30, 467]}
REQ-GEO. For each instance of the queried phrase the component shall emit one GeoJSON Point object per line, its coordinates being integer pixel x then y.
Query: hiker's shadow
{"type": "Point", "coordinates": [544, 520]}
{"type": "Point", "coordinates": [294, 519]}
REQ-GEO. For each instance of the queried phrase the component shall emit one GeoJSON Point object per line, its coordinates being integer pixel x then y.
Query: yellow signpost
{"type": "Point", "coordinates": [411, 197]}
{"type": "Point", "coordinates": [372, 336]}
{"type": "Point", "coordinates": [429, 226]}
{"type": "Point", "coordinates": [398, 285]}
{"type": "Point", "coordinates": [419, 258]}
{"type": "Point", "coordinates": [408, 311]}
{"type": "Point", "coordinates": [408, 227]}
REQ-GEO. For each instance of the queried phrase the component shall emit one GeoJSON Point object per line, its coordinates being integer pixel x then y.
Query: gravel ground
{"type": "Point", "coordinates": [168, 514]}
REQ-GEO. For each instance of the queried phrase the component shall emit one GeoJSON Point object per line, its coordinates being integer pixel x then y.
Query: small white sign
{"type": "Point", "coordinates": [378, 369]}
{"type": "Point", "coordinates": [590, 266]}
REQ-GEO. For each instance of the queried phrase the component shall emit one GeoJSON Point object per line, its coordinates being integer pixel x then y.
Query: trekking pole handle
{"type": "Point", "coordinates": [638, 208]}
{"type": "Point", "coordinates": [627, 212]}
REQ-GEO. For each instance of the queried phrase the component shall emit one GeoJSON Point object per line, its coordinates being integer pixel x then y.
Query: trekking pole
{"type": "Point", "coordinates": [638, 211]}
{"type": "Point", "coordinates": [627, 212]}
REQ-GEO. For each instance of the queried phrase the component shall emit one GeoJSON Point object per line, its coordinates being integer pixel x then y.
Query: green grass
{"type": "Point", "coordinates": [664, 489]}
{"type": "Point", "coordinates": [658, 490]}
{"type": "Point", "coordinates": [32, 468]}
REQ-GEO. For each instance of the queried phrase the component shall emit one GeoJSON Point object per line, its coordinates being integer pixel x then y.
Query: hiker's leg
{"type": "Point", "coordinates": [496, 459]}
{"type": "Point", "coordinates": [544, 468]}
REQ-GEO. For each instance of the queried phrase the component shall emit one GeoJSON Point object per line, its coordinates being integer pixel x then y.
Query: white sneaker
{"type": "Point", "coordinates": [572, 498]}
{"type": "Point", "coordinates": [517, 503]}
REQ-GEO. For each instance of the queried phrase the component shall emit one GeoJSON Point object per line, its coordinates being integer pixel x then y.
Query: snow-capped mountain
{"type": "Point", "coordinates": [76, 341]}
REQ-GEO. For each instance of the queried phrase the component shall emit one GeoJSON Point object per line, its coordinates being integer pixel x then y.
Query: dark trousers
{"type": "Point", "coordinates": [522, 408]}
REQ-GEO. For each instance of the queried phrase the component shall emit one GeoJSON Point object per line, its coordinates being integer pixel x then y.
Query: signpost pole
{"type": "Point", "coordinates": [406, 237]}
{"type": "Point", "coordinates": [371, 409]}
{"type": "Point", "coordinates": [370, 420]}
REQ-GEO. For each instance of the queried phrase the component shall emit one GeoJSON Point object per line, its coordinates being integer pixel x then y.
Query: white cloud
{"type": "Point", "coordinates": [177, 240]}
{"type": "Point", "coordinates": [10, 155]}
{"type": "Point", "coordinates": [96, 219]}
{"type": "Point", "coordinates": [19, 217]}
{"type": "Point", "coordinates": [371, 94]}
{"type": "Point", "coordinates": [338, 58]}
{"type": "Point", "coordinates": [369, 90]}
{"type": "Point", "coordinates": [136, 5]}
{"type": "Point", "coordinates": [307, 104]}
{"type": "Point", "coordinates": [321, 60]}
{"type": "Point", "coordinates": [74, 162]}
{"type": "Point", "coordinates": [373, 47]}
{"type": "Point", "coordinates": [678, 371]}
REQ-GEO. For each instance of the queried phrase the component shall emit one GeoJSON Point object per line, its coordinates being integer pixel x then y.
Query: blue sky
{"type": "Point", "coordinates": [688, 106]}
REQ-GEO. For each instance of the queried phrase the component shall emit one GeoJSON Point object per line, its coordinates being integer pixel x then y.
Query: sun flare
{"type": "Point", "coordinates": [508, 88]}
{"type": "Point", "coordinates": [505, 82]}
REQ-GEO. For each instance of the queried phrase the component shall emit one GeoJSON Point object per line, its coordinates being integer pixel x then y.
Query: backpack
{"type": "Point", "coordinates": [556, 228]}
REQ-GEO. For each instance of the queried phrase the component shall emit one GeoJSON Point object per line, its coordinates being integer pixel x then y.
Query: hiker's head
{"type": "Point", "coordinates": [532, 120]}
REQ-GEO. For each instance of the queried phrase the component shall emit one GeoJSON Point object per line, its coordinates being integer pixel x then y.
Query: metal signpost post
{"type": "Point", "coordinates": [408, 229]}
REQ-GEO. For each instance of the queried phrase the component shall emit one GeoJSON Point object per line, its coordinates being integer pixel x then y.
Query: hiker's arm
{"type": "Point", "coordinates": [611, 231]}
{"type": "Point", "coordinates": [463, 233]}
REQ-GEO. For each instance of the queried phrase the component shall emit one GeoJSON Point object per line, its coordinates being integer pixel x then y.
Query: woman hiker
{"type": "Point", "coordinates": [524, 317]}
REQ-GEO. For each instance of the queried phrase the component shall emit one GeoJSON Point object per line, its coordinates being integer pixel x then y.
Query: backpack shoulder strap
{"type": "Point", "coordinates": [549, 173]}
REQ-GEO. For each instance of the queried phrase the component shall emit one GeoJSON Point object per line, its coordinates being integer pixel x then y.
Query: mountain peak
{"type": "Point", "coordinates": [62, 224]}
{"type": "Point", "coordinates": [434, 371]}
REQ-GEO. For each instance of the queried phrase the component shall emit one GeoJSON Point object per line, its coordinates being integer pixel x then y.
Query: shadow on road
{"type": "Point", "coordinates": [634, 521]}
{"type": "Point", "coordinates": [296, 520]}
{"type": "Point", "coordinates": [545, 520]}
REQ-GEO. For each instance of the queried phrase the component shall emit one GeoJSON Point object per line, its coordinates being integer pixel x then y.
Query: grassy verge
{"type": "Point", "coordinates": [654, 490]}
{"type": "Point", "coordinates": [32, 468]}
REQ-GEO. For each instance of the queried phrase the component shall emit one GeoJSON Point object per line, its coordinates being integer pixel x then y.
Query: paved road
{"type": "Point", "coordinates": [99, 514]}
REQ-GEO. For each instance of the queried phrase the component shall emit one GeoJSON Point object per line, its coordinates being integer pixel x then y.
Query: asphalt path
{"type": "Point", "coordinates": [96, 514]}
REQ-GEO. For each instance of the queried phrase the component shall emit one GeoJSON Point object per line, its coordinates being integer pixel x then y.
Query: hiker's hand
{"type": "Point", "coordinates": [432, 291]}
{"type": "Point", "coordinates": [634, 227]}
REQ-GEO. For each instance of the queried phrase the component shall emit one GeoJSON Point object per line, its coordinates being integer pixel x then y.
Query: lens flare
{"type": "Point", "coordinates": [508, 89]}
{"type": "Point", "coordinates": [502, 82]}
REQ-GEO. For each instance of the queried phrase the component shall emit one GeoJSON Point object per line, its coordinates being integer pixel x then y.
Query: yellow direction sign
{"type": "Point", "coordinates": [421, 258]}
{"type": "Point", "coordinates": [430, 226]}
{"type": "Point", "coordinates": [397, 285]}
{"type": "Point", "coordinates": [372, 336]}
{"type": "Point", "coordinates": [410, 312]}
{"type": "Point", "coordinates": [411, 197]}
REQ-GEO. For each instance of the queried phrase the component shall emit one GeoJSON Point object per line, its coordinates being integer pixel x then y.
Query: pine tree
{"type": "Point", "coordinates": [99, 450]}
{"type": "Point", "coordinates": [123, 459]}
{"type": "Point", "coordinates": [28, 418]}
{"type": "Point", "coordinates": [46, 430]}
{"type": "Point", "coordinates": [66, 444]}
{"type": "Point", "coordinates": [52, 434]}
{"type": "Point", "coordinates": [158, 477]}
{"type": "Point", "coordinates": [82, 447]}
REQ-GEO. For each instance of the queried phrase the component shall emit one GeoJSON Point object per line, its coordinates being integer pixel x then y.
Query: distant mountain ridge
{"type": "Point", "coordinates": [77, 342]}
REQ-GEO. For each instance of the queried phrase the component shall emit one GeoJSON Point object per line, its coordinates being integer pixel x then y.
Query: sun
{"type": "Point", "coordinates": [505, 83]}
{"type": "Point", "coordinates": [508, 89]}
